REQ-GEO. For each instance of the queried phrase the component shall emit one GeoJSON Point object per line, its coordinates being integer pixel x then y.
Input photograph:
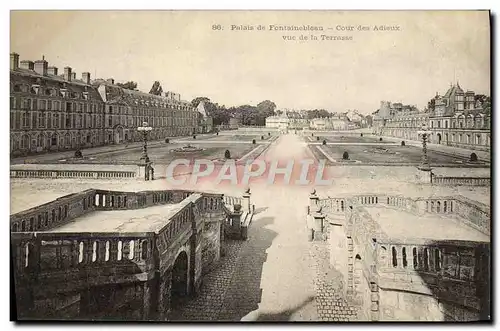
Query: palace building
{"type": "Point", "coordinates": [52, 111]}
{"type": "Point", "coordinates": [459, 120]}
{"type": "Point", "coordinates": [456, 118]}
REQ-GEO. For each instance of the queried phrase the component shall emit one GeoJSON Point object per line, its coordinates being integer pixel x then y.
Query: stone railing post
{"type": "Point", "coordinates": [313, 201]}
{"type": "Point", "coordinates": [235, 222]}
{"type": "Point", "coordinates": [318, 223]}
{"type": "Point", "coordinates": [246, 200]}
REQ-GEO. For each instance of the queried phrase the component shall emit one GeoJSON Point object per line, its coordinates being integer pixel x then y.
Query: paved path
{"type": "Point", "coordinates": [271, 276]}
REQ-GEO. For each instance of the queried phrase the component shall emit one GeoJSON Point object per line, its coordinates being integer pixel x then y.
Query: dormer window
{"type": "Point", "coordinates": [74, 95]}
{"type": "Point", "coordinates": [17, 88]}
{"type": "Point", "coordinates": [34, 89]}
{"type": "Point", "coordinates": [48, 91]}
{"type": "Point", "coordinates": [63, 92]}
{"type": "Point", "coordinates": [85, 95]}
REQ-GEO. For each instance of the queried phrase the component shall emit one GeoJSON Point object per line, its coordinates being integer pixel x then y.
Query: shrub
{"type": "Point", "coordinates": [269, 133]}
{"type": "Point", "coordinates": [317, 138]}
{"type": "Point", "coordinates": [403, 143]}
{"type": "Point", "coordinates": [345, 156]}
{"type": "Point", "coordinates": [167, 140]}
{"type": "Point", "coordinates": [227, 154]}
{"type": "Point", "coordinates": [380, 139]}
{"type": "Point", "coordinates": [217, 133]}
{"type": "Point", "coordinates": [253, 141]}
{"type": "Point", "coordinates": [361, 135]}
{"type": "Point", "coordinates": [261, 137]}
{"type": "Point", "coordinates": [324, 142]}
{"type": "Point", "coordinates": [78, 154]}
{"type": "Point", "coordinates": [473, 157]}
{"type": "Point", "coordinates": [194, 137]}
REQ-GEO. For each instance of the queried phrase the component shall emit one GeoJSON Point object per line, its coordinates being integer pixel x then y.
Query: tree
{"type": "Point", "coordinates": [196, 101]}
{"type": "Point", "coordinates": [485, 102]}
{"type": "Point", "coordinates": [431, 104]}
{"type": "Point", "coordinates": [130, 85]}
{"type": "Point", "coordinates": [156, 88]}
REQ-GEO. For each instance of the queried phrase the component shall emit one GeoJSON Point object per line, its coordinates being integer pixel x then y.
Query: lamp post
{"type": "Point", "coordinates": [425, 161]}
{"type": "Point", "coordinates": [145, 129]}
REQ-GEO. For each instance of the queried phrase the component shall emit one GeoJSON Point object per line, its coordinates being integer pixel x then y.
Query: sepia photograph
{"type": "Point", "coordinates": [250, 165]}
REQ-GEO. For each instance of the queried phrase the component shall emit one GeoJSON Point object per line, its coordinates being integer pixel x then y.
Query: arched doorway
{"type": "Point", "coordinates": [439, 138]}
{"type": "Point", "coordinates": [118, 134]}
{"type": "Point", "coordinates": [179, 288]}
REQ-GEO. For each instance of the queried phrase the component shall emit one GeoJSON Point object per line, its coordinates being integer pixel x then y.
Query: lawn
{"type": "Point", "coordinates": [374, 155]}
{"type": "Point", "coordinates": [346, 139]}
{"type": "Point", "coordinates": [165, 154]}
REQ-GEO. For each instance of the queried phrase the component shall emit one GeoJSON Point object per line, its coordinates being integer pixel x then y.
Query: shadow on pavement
{"type": "Point", "coordinates": [260, 210]}
{"type": "Point", "coordinates": [282, 316]}
{"type": "Point", "coordinates": [244, 293]}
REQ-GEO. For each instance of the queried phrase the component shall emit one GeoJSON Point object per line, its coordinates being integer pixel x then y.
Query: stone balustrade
{"type": "Point", "coordinates": [63, 255]}
{"type": "Point", "coordinates": [453, 275]}
{"type": "Point", "coordinates": [467, 181]}
{"type": "Point", "coordinates": [95, 174]}
{"type": "Point", "coordinates": [472, 213]}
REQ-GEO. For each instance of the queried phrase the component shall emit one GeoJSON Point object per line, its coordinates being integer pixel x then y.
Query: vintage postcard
{"type": "Point", "coordinates": [250, 166]}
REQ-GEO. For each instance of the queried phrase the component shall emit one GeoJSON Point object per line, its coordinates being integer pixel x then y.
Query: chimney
{"type": "Point", "coordinates": [41, 67]}
{"type": "Point", "coordinates": [67, 74]}
{"type": "Point", "coordinates": [52, 71]}
{"type": "Point", "coordinates": [111, 81]}
{"type": "Point", "coordinates": [14, 61]}
{"type": "Point", "coordinates": [29, 65]}
{"type": "Point", "coordinates": [86, 77]}
{"type": "Point", "coordinates": [73, 76]}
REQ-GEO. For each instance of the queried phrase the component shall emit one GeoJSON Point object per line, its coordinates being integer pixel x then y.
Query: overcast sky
{"type": "Point", "coordinates": [182, 51]}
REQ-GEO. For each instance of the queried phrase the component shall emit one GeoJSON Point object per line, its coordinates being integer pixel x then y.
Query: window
{"type": "Point", "coordinates": [55, 120]}
{"type": "Point", "coordinates": [25, 119]}
{"type": "Point", "coordinates": [12, 103]}
{"type": "Point", "coordinates": [26, 104]}
{"type": "Point", "coordinates": [41, 120]}
{"type": "Point", "coordinates": [405, 262]}
{"type": "Point", "coordinates": [42, 104]}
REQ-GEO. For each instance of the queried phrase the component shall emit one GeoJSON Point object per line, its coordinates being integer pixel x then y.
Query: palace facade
{"type": "Point", "coordinates": [52, 111]}
{"type": "Point", "coordinates": [297, 121]}
{"type": "Point", "coordinates": [457, 119]}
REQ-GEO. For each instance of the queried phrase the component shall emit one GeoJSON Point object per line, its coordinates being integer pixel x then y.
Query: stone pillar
{"type": "Point", "coordinates": [318, 223]}
{"type": "Point", "coordinates": [313, 200]}
{"type": "Point", "coordinates": [235, 227]}
{"type": "Point", "coordinates": [246, 199]}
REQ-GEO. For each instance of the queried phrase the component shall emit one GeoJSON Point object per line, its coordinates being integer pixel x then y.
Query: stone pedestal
{"type": "Point", "coordinates": [144, 171]}
{"type": "Point", "coordinates": [318, 223]}
{"type": "Point", "coordinates": [246, 201]}
{"type": "Point", "coordinates": [313, 200]}
{"type": "Point", "coordinates": [423, 176]}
